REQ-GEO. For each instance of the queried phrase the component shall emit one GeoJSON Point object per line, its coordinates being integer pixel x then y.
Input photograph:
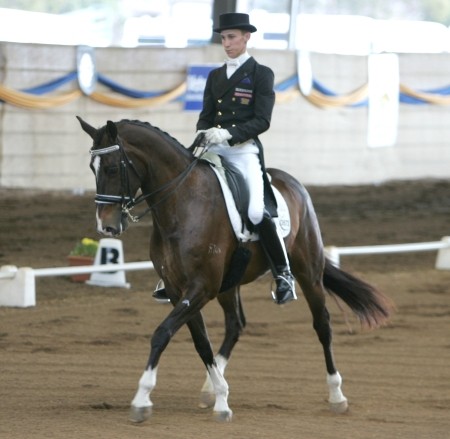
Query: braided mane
{"type": "Point", "coordinates": [149, 126]}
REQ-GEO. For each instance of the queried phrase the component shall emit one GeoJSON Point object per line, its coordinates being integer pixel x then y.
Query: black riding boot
{"type": "Point", "coordinates": [274, 249]}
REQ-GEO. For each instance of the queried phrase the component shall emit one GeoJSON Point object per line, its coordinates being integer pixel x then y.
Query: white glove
{"type": "Point", "coordinates": [217, 135]}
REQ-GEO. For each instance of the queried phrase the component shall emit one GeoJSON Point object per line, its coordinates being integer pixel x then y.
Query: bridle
{"type": "Point", "coordinates": [126, 200]}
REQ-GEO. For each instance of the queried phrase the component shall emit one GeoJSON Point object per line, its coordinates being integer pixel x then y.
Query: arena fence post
{"type": "Point", "coordinates": [443, 255]}
{"type": "Point", "coordinates": [17, 286]}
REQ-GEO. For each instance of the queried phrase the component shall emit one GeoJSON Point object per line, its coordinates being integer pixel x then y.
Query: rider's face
{"type": "Point", "coordinates": [234, 42]}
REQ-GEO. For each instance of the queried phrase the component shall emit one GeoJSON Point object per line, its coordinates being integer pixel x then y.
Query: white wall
{"type": "Point", "coordinates": [47, 149]}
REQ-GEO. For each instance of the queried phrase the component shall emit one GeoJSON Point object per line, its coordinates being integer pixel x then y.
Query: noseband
{"type": "Point", "coordinates": [126, 199]}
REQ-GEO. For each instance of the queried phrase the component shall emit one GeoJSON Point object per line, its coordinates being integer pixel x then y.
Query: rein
{"type": "Point", "coordinates": [128, 202]}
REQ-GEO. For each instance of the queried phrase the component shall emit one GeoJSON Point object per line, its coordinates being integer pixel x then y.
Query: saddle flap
{"type": "Point", "coordinates": [242, 229]}
{"type": "Point", "coordinates": [234, 180]}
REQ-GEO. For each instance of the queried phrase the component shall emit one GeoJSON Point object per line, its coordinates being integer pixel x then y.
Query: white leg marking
{"type": "Point", "coordinates": [221, 390]}
{"type": "Point", "coordinates": [337, 400]}
{"type": "Point", "coordinates": [221, 362]}
{"type": "Point", "coordinates": [207, 395]}
{"type": "Point", "coordinates": [146, 385]}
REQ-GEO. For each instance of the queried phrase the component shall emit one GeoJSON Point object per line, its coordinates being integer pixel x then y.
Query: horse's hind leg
{"type": "Point", "coordinates": [230, 302]}
{"type": "Point", "coordinates": [315, 296]}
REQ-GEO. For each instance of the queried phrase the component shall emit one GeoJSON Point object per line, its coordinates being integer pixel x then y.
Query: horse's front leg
{"type": "Point", "coordinates": [141, 406]}
{"type": "Point", "coordinates": [230, 302]}
{"type": "Point", "coordinates": [186, 310]}
{"type": "Point", "coordinates": [217, 385]}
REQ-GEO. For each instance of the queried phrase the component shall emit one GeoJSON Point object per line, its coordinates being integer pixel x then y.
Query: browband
{"type": "Point", "coordinates": [106, 150]}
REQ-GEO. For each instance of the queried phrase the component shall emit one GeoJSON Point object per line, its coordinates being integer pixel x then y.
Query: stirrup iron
{"type": "Point", "coordinates": [159, 293]}
{"type": "Point", "coordinates": [289, 294]}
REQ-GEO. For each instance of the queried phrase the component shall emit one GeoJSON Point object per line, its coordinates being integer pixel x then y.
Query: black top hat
{"type": "Point", "coordinates": [234, 20]}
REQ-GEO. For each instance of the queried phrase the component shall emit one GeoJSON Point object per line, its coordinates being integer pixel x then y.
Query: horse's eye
{"type": "Point", "coordinates": [111, 170]}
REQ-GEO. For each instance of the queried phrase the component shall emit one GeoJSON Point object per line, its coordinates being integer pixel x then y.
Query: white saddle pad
{"type": "Point", "coordinates": [283, 221]}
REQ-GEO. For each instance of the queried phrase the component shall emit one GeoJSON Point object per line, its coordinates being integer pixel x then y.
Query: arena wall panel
{"type": "Point", "coordinates": [45, 148]}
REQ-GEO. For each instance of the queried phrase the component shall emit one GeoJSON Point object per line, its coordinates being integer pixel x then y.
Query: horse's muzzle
{"type": "Point", "coordinates": [111, 221]}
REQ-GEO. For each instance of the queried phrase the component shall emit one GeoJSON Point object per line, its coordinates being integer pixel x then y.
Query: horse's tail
{"type": "Point", "coordinates": [371, 306]}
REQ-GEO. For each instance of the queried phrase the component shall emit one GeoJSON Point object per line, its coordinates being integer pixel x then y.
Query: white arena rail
{"type": "Point", "coordinates": [107, 268]}
{"type": "Point", "coordinates": [9, 273]}
{"type": "Point", "coordinates": [18, 285]}
{"type": "Point", "coordinates": [442, 262]}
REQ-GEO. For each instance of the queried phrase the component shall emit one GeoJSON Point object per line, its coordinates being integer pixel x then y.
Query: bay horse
{"type": "Point", "coordinates": [192, 246]}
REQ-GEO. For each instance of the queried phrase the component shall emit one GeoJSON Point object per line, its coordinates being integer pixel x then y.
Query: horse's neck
{"type": "Point", "coordinates": [163, 161]}
{"type": "Point", "coordinates": [166, 168]}
{"type": "Point", "coordinates": [172, 207]}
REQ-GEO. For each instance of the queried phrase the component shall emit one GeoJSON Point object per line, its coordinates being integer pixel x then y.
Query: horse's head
{"type": "Point", "coordinates": [116, 178]}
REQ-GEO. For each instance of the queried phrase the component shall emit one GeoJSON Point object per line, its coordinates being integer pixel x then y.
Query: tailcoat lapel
{"type": "Point", "coordinates": [223, 84]}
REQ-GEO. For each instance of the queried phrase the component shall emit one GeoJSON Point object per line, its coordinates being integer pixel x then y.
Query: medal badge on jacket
{"type": "Point", "coordinates": [243, 95]}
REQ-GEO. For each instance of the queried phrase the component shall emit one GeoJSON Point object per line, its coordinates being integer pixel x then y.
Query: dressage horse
{"type": "Point", "coordinates": [192, 247]}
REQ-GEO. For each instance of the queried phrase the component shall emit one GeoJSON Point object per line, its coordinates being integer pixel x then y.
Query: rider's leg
{"type": "Point", "coordinates": [273, 245]}
{"type": "Point", "coordinates": [271, 241]}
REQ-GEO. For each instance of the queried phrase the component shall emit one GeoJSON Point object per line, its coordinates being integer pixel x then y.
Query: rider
{"type": "Point", "coordinates": [237, 106]}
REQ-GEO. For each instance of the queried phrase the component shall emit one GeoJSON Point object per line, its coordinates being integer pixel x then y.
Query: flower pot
{"type": "Point", "coordinates": [80, 261]}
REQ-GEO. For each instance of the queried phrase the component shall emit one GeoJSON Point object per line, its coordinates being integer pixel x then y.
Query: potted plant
{"type": "Point", "coordinates": [83, 254]}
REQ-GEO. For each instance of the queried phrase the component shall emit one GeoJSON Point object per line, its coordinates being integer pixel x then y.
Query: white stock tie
{"type": "Point", "coordinates": [232, 65]}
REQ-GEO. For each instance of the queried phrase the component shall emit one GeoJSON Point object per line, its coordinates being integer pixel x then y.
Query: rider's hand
{"type": "Point", "coordinates": [217, 135]}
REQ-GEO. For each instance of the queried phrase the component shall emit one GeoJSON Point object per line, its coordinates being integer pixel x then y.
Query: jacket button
{"type": "Point", "coordinates": [219, 126]}
{"type": "Point", "coordinates": [219, 113]}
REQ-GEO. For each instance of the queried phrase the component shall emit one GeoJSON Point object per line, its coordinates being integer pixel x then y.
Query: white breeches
{"type": "Point", "coordinates": [245, 157]}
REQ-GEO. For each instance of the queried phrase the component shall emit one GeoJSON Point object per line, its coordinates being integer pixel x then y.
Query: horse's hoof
{"type": "Point", "coordinates": [207, 400]}
{"type": "Point", "coordinates": [223, 416]}
{"type": "Point", "coordinates": [139, 414]}
{"type": "Point", "coordinates": [339, 407]}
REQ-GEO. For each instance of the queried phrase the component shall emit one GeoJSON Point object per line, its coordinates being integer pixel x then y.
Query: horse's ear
{"type": "Point", "coordinates": [111, 129]}
{"type": "Point", "coordinates": [87, 128]}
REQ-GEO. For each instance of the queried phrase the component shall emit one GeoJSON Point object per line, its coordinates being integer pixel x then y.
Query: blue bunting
{"type": "Point", "coordinates": [52, 85]}
{"type": "Point", "coordinates": [127, 91]}
{"type": "Point", "coordinates": [282, 86]}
